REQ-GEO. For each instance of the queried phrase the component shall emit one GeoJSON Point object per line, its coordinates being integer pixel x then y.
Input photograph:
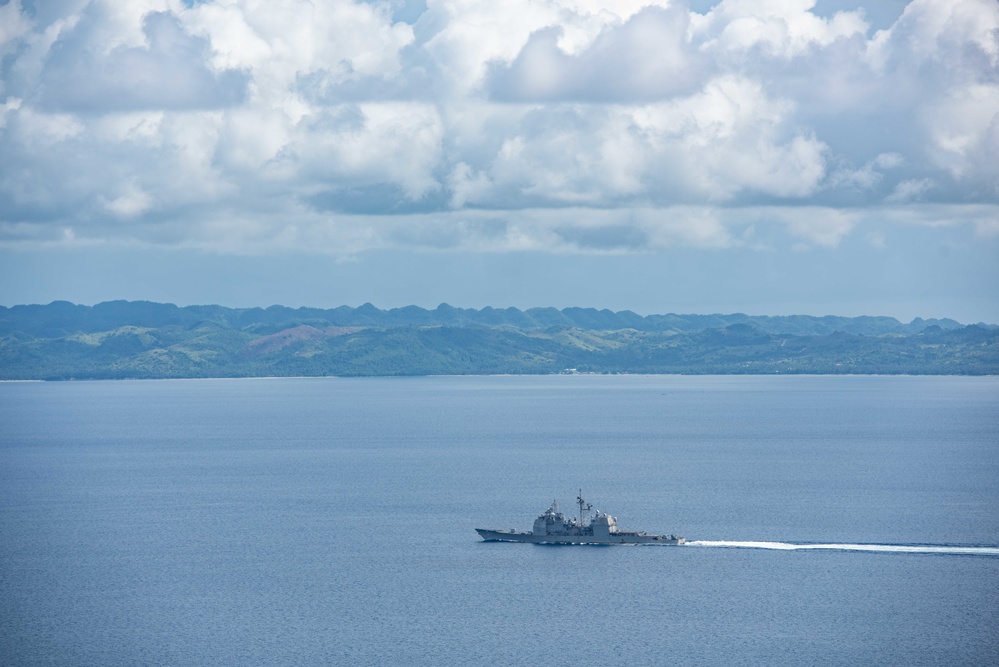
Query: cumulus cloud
{"type": "Point", "coordinates": [645, 58]}
{"type": "Point", "coordinates": [778, 28]}
{"type": "Point", "coordinates": [14, 26]}
{"type": "Point", "coordinates": [545, 125]}
{"type": "Point", "coordinates": [167, 71]}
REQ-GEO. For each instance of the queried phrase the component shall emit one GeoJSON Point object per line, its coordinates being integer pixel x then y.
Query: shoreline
{"type": "Point", "coordinates": [514, 375]}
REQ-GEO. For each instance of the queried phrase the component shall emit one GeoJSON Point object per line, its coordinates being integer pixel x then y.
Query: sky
{"type": "Point", "coordinates": [759, 156]}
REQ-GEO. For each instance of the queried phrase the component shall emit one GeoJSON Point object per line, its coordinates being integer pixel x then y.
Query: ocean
{"type": "Point", "coordinates": [830, 520]}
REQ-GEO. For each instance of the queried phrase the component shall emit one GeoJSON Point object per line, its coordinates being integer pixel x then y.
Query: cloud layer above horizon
{"type": "Point", "coordinates": [245, 126]}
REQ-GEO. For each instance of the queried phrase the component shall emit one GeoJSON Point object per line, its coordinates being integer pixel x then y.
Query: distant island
{"type": "Point", "coordinates": [141, 339]}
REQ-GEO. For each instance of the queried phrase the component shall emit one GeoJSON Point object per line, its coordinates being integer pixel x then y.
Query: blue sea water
{"type": "Point", "coordinates": [833, 520]}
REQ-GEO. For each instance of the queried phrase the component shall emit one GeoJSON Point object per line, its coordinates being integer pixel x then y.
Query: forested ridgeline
{"type": "Point", "coordinates": [122, 339]}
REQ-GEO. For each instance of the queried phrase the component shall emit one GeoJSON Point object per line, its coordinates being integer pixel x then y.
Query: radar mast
{"type": "Point", "coordinates": [582, 503]}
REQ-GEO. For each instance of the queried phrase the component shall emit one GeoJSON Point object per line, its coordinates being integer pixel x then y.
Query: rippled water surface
{"type": "Point", "coordinates": [833, 520]}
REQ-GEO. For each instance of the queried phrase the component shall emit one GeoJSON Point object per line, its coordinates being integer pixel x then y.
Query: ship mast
{"type": "Point", "coordinates": [581, 503]}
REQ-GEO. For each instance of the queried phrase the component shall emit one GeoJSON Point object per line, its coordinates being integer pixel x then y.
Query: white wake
{"type": "Point", "coordinates": [887, 548]}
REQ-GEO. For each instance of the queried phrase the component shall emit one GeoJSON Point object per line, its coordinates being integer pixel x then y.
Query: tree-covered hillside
{"type": "Point", "coordinates": [151, 340]}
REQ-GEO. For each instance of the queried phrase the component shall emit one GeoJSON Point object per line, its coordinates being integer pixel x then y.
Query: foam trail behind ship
{"type": "Point", "coordinates": [882, 548]}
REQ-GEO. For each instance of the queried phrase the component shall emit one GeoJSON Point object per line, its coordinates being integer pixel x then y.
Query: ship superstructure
{"type": "Point", "coordinates": [554, 527]}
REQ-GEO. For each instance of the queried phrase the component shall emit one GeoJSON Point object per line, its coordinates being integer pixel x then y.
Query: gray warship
{"type": "Point", "coordinates": [553, 527]}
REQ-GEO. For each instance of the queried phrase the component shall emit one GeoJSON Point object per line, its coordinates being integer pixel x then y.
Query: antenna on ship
{"type": "Point", "coordinates": [581, 502]}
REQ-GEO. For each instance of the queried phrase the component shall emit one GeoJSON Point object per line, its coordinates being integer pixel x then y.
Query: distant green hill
{"type": "Point", "coordinates": [122, 339]}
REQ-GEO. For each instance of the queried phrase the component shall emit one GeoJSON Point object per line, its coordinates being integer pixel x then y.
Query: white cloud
{"type": "Point", "coordinates": [98, 65]}
{"type": "Point", "coordinates": [466, 184]}
{"type": "Point", "coordinates": [132, 202]}
{"type": "Point", "coordinates": [911, 190]}
{"type": "Point", "coordinates": [964, 131]}
{"type": "Point", "coordinates": [470, 34]}
{"type": "Point", "coordinates": [593, 126]}
{"type": "Point", "coordinates": [40, 130]}
{"type": "Point", "coordinates": [930, 29]}
{"type": "Point", "coordinates": [647, 57]}
{"type": "Point", "coordinates": [869, 176]}
{"type": "Point", "coordinates": [816, 226]}
{"type": "Point", "coordinates": [730, 138]}
{"type": "Point", "coordinates": [395, 143]}
{"type": "Point", "coordinates": [14, 26]}
{"type": "Point", "coordinates": [282, 40]}
{"type": "Point", "coordinates": [782, 28]}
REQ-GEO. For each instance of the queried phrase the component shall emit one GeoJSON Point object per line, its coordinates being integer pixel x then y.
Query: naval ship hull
{"type": "Point", "coordinates": [614, 538]}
